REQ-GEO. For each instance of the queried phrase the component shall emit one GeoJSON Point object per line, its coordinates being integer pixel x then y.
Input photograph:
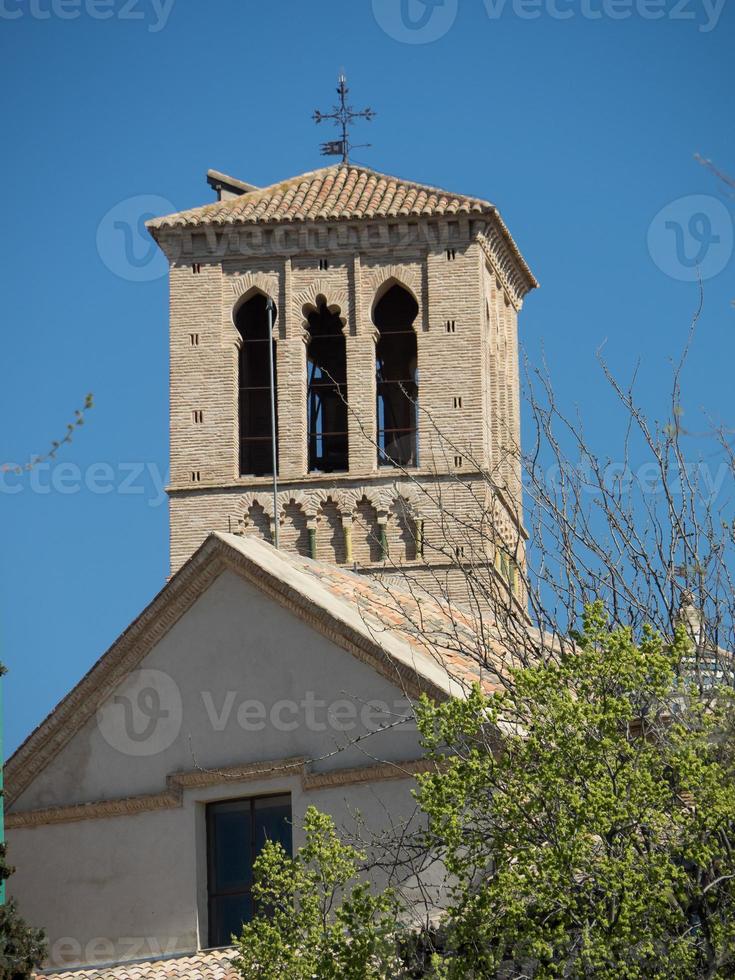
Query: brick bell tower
{"type": "Point", "coordinates": [396, 373]}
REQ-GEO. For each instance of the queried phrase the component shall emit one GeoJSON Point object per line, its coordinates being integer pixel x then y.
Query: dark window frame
{"type": "Point", "coordinates": [216, 894]}
{"type": "Point", "coordinates": [254, 407]}
{"type": "Point", "coordinates": [327, 426]}
{"type": "Point", "coordinates": [396, 378]}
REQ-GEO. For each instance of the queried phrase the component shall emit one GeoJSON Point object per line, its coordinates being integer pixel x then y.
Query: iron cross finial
{"type": "Point", "coordinates": [342, 115]}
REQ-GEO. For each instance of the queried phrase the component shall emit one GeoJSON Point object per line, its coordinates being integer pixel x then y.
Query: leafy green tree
{"type": "Point", "coordinates": [317, 919]}
{"type": "Point", "coordinates": [586, 816]}
{"type": "Point", "coordinates": [22, 949]}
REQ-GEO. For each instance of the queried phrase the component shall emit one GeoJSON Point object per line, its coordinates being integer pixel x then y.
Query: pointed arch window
{"type": "Point", "coordinates": [326, 378]}
{"type": "Point", "coordinates": [251, 321]}
{"type": "Point", "coordinates": [396, 378]}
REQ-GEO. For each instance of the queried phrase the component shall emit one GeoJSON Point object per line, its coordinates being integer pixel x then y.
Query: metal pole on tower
{"type": "Point", "coordinates": [270, 307]}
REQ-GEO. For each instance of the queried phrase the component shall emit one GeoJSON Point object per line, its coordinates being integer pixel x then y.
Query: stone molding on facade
{"type": "Point", "coordinates": [504, 264]}
{"type": "Point", "coordinates": [336, 298]}
{"type": "Point", "coordinates": [346, 499]}
{"type": "Point", "coordinates": [267, 284]}
{"type": "Point", "coordinates": [378, 279]}
{"type": "Point", "coordinates": [369, 237]}
{"type": "Point", "coordinates": [172, 797]}
{"type": "Point", "coordinates": [240, 288]}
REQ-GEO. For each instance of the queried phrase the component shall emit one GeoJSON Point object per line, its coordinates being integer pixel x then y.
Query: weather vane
{"type": "Point", "coordinates": [342, 115]}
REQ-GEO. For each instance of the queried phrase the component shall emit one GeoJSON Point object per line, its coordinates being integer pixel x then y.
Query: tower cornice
{"type": "Point", "coordinates": [348, 208]}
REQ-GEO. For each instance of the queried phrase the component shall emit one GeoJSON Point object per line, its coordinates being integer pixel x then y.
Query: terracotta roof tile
{"type": "Point", "coordinates": [339, 192]}
{"type": "Point", "coordinates": [214, 964]}
{"type": "Point", "coordinates": [449, 634]}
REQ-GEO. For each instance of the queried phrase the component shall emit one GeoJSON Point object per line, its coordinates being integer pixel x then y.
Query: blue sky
{"type": "Point", "coordinates": [578, 118]}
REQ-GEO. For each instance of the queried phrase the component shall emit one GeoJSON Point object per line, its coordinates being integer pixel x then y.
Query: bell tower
{"type": "Point", "coordinates": [396, 382]}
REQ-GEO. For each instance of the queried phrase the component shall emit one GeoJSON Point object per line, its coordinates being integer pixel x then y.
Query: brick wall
{"type": "Point", "coordinates": [467, 352]}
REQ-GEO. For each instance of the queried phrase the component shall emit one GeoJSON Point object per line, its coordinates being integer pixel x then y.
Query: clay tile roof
{"type": "Point", "coordinates": [339, 192]}
{"type": "Point", "coordinates": [210, 965]}
{"type": "Point", "coordinates": [436, 630]}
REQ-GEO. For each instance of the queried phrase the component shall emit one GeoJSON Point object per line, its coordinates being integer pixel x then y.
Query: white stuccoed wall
{"type": "Point", "coordinates": [137, 882]}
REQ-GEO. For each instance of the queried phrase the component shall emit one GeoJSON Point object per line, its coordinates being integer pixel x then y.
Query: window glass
{"type": "Point", "coordinates": [273, 822]}
{"type": "Point", "coordinates": [236, 833]}
{"type": "Point", "coordinates": [326, 396]}
{"type": "Point", "coordinates": [256, 440]}
{"type": "Point", "coordinates": [396, 378]}
{"type": "Point", "coordinates": [230, 913]}
{"type": "Point", "coordinates": [232, 860]}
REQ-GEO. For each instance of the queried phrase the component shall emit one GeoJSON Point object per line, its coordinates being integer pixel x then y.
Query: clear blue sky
{"type": "Point", "coordinates": [581, 128]}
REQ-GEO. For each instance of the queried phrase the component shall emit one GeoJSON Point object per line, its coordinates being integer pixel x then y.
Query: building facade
{"type": "Point", "coordinates": [395, 347]}
{"type": "Point", "coordinates": [260, 681]}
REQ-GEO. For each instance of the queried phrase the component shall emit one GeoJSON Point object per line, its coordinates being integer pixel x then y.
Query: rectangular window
{"type": "Point", "coordinates": [507, 565]}
{"type": "Point", "coordinates": [236, 833]}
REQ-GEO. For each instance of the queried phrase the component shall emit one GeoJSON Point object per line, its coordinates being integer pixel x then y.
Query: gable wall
{"type": "Point", "coordinates": [242, 680]}
{"type": "Point", "coordinates": [131, 885]}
